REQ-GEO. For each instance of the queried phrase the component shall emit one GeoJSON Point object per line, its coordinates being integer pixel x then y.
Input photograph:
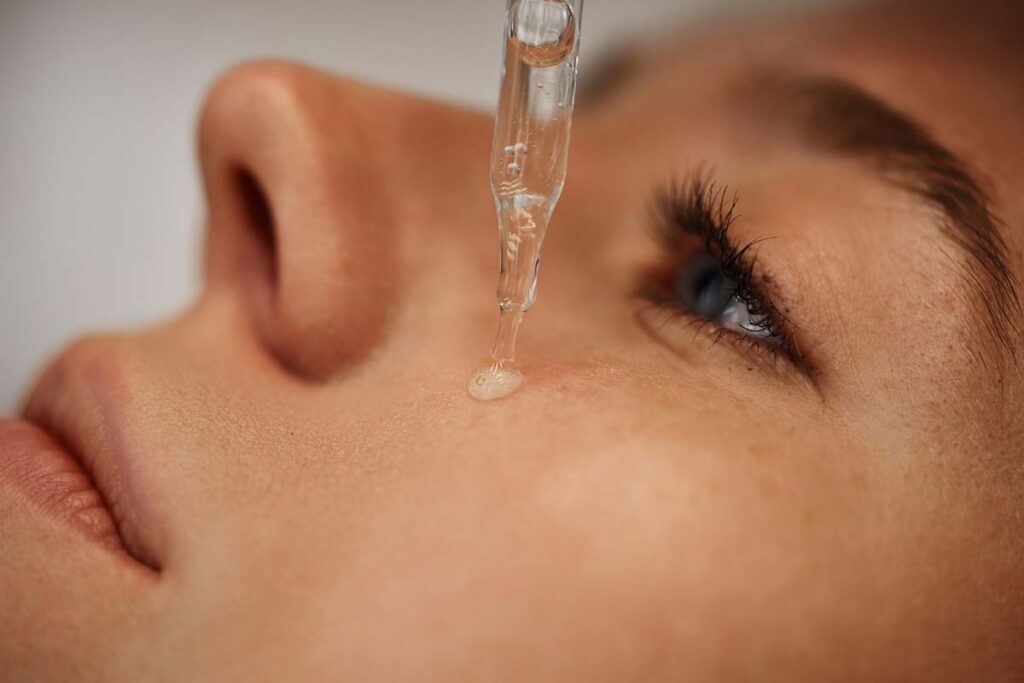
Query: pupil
{"type": "Point", "coordinates": [703, 288]}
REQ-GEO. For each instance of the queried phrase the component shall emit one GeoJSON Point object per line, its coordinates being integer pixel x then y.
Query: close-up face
{"type": "Point", "coordinates": [772, 413]}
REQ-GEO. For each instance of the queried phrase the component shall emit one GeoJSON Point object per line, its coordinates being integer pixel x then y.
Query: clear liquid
{"type": "Point", "coordinates": [529, 161]}
{"type": "Point", "coordinates": [501, 378]}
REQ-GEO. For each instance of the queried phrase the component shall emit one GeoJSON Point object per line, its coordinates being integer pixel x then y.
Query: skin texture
{"type": "Point", "coordinates": [318, 498]}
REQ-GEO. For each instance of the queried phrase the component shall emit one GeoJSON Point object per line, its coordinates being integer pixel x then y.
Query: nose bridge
{"type": "Point", "coordinates": [337, 169]}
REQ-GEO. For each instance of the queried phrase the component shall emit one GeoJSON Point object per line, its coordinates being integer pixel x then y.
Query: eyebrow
{"type": "Point", "coordinates": [840, 117]}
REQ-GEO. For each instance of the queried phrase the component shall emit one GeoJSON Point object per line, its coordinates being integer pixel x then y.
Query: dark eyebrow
{"type": "Point", "coordinates": [840, 117]}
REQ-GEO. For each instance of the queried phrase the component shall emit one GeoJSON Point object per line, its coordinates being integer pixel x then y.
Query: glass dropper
{"type": "Point", "coordinates": [529, 161]}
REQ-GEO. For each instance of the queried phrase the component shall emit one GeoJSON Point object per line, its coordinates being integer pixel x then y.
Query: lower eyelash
{"type": "Point", "coordinates": [658, 305]}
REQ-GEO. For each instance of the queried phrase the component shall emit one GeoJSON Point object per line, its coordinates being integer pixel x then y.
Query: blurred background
{"type": "Point", "coordinates": [100, 205]}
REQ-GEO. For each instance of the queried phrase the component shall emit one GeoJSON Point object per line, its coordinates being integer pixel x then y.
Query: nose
{"type": "Point", "coordinates": [309, 181]}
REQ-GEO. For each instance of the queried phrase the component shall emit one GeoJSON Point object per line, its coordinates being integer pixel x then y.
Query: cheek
{"type": "Point", "coordinates": [628, 491]}
{"type": "Point", "coordinates": [554, 525]}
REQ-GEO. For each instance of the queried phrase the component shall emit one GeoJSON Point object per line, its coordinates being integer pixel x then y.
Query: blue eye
{"type": "Point", "coordinates": [712, 283]}
{"type": "Point", "coordinates": [703, 288]}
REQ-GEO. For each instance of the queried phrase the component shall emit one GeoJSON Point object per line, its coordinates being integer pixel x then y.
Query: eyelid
{"type": "Point", "coordinates": [694, 215]}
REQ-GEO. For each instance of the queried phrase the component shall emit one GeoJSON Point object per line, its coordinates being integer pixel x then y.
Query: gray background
{"type": "Point", "coordinates": [100, 210]}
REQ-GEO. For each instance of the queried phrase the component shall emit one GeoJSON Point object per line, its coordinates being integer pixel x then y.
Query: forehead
{"type": "Point", "coordinates": [955, 67]}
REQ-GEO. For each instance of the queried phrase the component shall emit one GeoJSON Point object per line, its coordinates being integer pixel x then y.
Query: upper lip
{"type": "Point", "coordinates": [80, 401]}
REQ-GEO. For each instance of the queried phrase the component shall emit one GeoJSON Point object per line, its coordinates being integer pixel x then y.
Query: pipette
{"type": "Point", "coordinates": [529, 161]}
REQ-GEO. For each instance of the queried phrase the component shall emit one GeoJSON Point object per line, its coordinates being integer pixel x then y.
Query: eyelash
{"type": "Point", "coordinates": [697, 208]}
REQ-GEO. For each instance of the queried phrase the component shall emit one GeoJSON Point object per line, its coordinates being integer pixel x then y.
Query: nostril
{"type": "Point", "coordinates": [303, 234]}
{"type": "Point", "coordinates": [259, 217]}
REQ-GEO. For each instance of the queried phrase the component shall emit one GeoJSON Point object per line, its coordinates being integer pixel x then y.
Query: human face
{"type": "Point", "coordinates": [797, 460]}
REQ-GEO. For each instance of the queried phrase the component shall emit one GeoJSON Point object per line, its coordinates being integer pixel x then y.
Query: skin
{"type": "Point", "coordinates": [317, 497]}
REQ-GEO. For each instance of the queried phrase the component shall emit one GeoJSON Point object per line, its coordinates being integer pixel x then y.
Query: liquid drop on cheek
{"type": "Point", "coordinates": [494, 382]}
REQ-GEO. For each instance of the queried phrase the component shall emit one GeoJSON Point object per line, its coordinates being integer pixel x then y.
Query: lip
{"type": "Point", "coordinates": [37, 465]}
{"type": "Point", "coordinates": [68, 456]}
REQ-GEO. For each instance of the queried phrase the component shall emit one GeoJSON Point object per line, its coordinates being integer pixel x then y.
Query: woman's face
{"type": "Point", "coordinates": [782, 442]}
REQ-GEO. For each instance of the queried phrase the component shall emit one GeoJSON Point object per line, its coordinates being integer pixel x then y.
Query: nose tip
{"type": "Point", "coordinates": [300, 221]}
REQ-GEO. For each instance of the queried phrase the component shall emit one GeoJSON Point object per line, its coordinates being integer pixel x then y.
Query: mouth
{"type": "Point", "coordinates": [68, 459]}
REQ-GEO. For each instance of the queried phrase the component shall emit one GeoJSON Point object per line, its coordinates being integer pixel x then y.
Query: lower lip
{"type": "Point", "coordinates": [36, 466]}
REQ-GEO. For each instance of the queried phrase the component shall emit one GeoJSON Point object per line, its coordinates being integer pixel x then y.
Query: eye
{"type": "Point", "coordinates": [702, 287]}
{"type": "Point", "coordinates": [710, 284]}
